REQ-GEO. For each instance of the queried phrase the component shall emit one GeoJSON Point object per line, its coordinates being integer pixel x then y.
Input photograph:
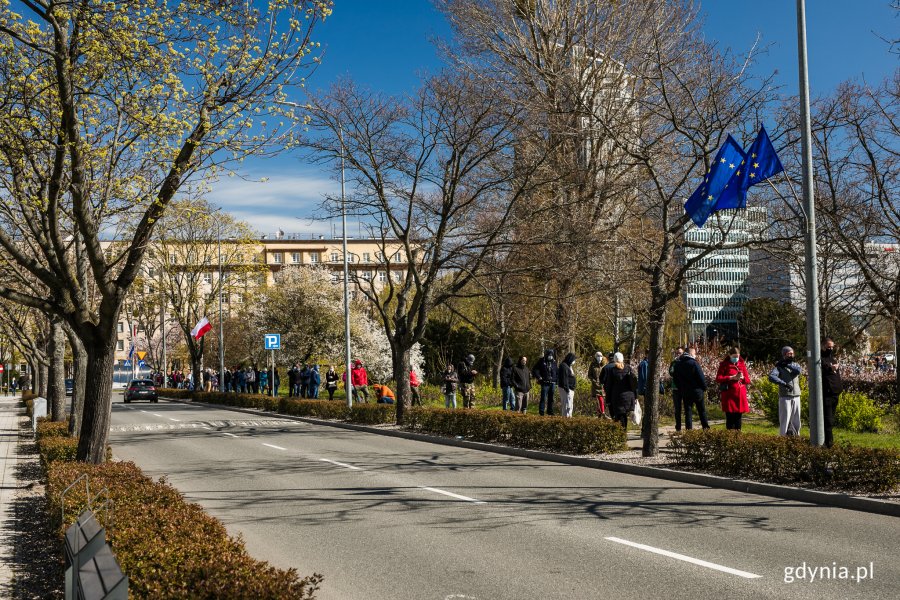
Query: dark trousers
{"type": "Point", "coordinates": [304, 389]}
{"type": "Point", "coordinates": [548, 391]}
{"type": "Point", "coordinates": [331, 391]}
{"type": "Point", "coordinates": [829, 405]}
{"type": "Point", "coordinates": [733, 420]}
{"type": "Point", "coordinates": [691, 399]}
{"type": "Point", "coordinates": [416, 400]}
{"type": "Point", "coordinates": [620, 417]}
{"type": "Point", "coordinates": [676, 400]}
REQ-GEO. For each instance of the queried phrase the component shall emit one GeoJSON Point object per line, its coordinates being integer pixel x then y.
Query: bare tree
{"type": "Point", "coordinates": [434, 174]}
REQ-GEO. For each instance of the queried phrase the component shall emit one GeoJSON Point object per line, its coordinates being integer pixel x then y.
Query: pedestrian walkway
{"type": "Point", "coordinates": [12, 414]}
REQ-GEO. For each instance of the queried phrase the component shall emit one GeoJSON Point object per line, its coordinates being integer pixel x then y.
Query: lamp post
{"type": "Point", "coordinates": [813, 352]}
{"type": "Point", "coordinates": [349, 383]}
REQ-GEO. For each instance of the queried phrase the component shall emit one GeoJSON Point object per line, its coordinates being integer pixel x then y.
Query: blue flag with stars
{"type": "Point", "coordinates": [761, 163]}
{"type": "Point", "coordinates": [703, 201]}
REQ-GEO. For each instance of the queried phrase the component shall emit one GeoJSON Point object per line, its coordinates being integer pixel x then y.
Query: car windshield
{"type": "Point", "coordinates": [141, 383]}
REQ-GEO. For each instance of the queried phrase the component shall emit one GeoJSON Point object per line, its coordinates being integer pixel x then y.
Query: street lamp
{"type": "Point", "coordinates": [221, 325]}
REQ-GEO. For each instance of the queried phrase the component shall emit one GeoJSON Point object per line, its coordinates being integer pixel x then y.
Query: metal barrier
{"type": "Point", "coordinates": [92, 572]}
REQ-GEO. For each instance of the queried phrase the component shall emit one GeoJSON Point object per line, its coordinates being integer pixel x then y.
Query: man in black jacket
{"type": "Point", "coordinates": [546, 372]}
{"type": "Point", "coordinates": [691, 382]}
{"type": "Point", "coordinates": [466, 372]}
{"type": "Point", "coordinates": [832, 386]}
{"type": "Point", "coordinates": [522, 382]}
{"type": "Point", "coordinates": [567, 384]}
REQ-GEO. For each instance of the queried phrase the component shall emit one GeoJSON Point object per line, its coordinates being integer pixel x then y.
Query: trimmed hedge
{"type": "Point", "coordinates": [175, 393]}
{"type": "Point", "coordinates": [787, 460]}
{"type": "Point", "coordinates": [577, 435]}
{"type": "Point", "coordinates": [855, 411]}
{"type": "Point", "coordinates": [54, 443]}
{"type": "Point", "coordinates": [369, 414]}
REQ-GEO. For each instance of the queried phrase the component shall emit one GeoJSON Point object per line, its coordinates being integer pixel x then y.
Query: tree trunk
{"type": "Point", "coordinates": [56, 371]}
{"type": "Point", "coordinates": [79, 363]}
{"type": "Point", "coordinates": [97, 395]}
{"type": "Point", "coordinates": [43, 376]}
{"type": "Point", "coordinates": [896, 363]}
{"type": "Point", "coordinates": [400, 351]}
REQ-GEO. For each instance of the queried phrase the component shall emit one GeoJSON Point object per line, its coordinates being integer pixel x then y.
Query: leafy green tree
{"type": "Point", "coordinates": [766, 326]}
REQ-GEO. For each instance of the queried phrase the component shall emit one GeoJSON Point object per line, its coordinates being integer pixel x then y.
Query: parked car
{"type": "Point", "coordinates": [141, 389]}
{"type": "Point", "coordinates": [70, 387]}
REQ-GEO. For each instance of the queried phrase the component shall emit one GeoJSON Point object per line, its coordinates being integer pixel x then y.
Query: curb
{"type": "Point", "coordinates": [785, 492]}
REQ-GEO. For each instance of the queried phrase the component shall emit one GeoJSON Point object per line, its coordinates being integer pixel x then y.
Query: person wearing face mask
{"type": "Point", "coordinates": [832, 386]}
{"type": "Point", "coordinates": [594, 372]}
{"type": "Point", "coordinates": [691, 383]}
{"type": "Point", "coordinates": [567, 383]}
{"type": "Point", "coordinates": [786, 374]}
{"type": "Point", "coordinates": [733, 379]}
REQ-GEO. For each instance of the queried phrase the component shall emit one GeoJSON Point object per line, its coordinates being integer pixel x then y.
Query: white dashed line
{"type": "Point", "coordinates": [228, 434]}
{"type": "Point", "coordinates": [340, 464]}
{"type": "Point", "coordinates": [156, 415]}
{"type": "Point", "coordinates": [174, 419]}
{"type": "Point", "coordinates": [274, 446]}
{"type": "Point", "coordinates": [689, 559]}
{"type": "Point", "coordinates": [452, 495]}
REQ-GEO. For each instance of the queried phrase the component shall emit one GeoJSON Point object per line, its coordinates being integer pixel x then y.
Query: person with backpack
{"type": "Point", "coordinates": [567, 382]}
{"type": "Point", "coordinates": [506, 384]}
{"type": "Point", "coordinates": [521, 379]}
{"type": "Point", "coordinates": [620, 387]}
{"type": "Point", "coordinates": [450, 381]}
{"type": "Point", "coordinates": [331, 382]}
{"type": "Point", "coordinates": [547, 374]}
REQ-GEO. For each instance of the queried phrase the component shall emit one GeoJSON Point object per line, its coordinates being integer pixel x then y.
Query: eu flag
{"type": "Point", "coordinates": [761, 163]}
{"type": "Point", "coordinates": [703, 201]}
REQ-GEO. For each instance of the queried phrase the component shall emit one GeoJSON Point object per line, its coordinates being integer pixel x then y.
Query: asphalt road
{"type": "Point", "coordinates": [383, 517]}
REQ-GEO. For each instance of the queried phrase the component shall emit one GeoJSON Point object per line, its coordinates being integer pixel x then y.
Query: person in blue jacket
{"type": "Point", "coordinates": [315, 380]}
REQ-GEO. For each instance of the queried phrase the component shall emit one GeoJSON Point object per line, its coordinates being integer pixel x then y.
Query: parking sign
{"type": "Point", "coordinates": [273, 341]}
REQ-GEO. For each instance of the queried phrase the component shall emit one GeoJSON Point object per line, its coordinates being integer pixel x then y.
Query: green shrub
{"type": "Point", "coordinates": [319, 409]}
{"type": "Point", "coordinates": [857, 412]}
{"type": "Point", "coordinates": [764, 397]}
{"type": "Point", "coordinates": [47, 429]}
{"type": "Point", "coordinates": [787, 460]}
{"type": "Point", "coordinates": [57, 448]}
{"type": "Point", "coordinates": [372, 414]}
{"type": "Point", "coordinates": [168, 547]}
{"type": "Point", "coordinates": [29, 408]}
{"type": "Point", "coordinates": [578, 435]}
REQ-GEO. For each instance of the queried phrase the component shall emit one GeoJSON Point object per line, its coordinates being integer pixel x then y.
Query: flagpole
{"type": "Point", "coordinates": [813, 351]}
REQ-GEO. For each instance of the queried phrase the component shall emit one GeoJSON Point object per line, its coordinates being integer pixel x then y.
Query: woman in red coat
{"type": "Point", "coordinates": [733, 380]}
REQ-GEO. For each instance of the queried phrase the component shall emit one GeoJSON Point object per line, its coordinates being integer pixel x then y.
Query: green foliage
{"type": "Point", "coordinates": [372, 414]}
{"type": "Point", "coordinates": [174, 393]}
{"type": "Point", "coordinates": [764, 396]}
{"type": "Point", "coordinates": [767, 325]}
{"type": "Point", "coordinates": [578, 435]}
{"type": "Point", "coordinates": [170, 548]}
{"type": "Point", "coordinates": [54, 443]}
{"type": "Point", "coordinates": [787, 460]}
{"type": "Point", "coordinates": [857, 412]}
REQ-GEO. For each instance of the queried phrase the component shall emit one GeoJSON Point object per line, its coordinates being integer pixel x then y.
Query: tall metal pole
{"type": "Point", "coordinates": [349, 383]}
{"type": "Point", "coordinates": [162, 327]}
{"type": "Point", "coordinates": [813, 352]}
{"type": "Point", "coordinates": [221, 325]}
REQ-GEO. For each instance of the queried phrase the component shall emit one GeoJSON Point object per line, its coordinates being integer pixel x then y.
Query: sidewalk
{"type": "Point", "coordinates": [11, 417]}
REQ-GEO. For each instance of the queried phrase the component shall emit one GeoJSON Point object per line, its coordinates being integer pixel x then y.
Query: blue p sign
{"type": "Point", "coordinates": [273, 341]}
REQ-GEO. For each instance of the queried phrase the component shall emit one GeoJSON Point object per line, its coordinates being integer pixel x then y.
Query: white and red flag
{"type": "Point", "coordinates": [200, 328]}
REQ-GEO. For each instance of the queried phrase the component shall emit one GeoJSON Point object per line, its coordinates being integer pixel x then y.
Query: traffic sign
{"type": "Point", "coordinates": [127, 363]}
{"type": "Point", "coordinates": [273, 341]}
{"type": "Point", "coordinates": [141, 364]}
{"type": "Point", "coordinates": [2, 368]}
{"type": "Point", "coordinates": [141, 355]}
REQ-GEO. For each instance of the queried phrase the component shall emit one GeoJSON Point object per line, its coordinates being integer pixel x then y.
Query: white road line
{"type": "Point", "coordinates": [274, 446]}
{"type": "Point", "coordinates": [452, 495]}
{"type": "Point", "coordinates": [144, 411]}
{"type": "Point", "coordinates": [174, 419]}
{"type": "Point", "coordinates": [156, 415]}
{"type": "Point", "coordinates": [204, 427]}
{"type": "Point", "coordinates": [695, 561]}
{"type": "Point", "coordinates": [340, 464]}
{"type": "Point", "coordinates": [228, 434]}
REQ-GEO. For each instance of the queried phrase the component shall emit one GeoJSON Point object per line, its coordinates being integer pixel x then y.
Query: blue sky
{"type": "Point", "coordinates": [387, 46]}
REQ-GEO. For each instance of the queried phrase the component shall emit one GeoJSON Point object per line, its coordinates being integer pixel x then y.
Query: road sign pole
{"type": "Point", "coordinates": [272, 375]}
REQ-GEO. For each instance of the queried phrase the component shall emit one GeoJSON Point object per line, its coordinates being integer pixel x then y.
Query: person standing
{"type": "Point", "coordinates": [226, 378]}
{"type": "Point", "coordinates": [264, 382]}
{"type": "Point", "coordinates": [315, 380]}
{"type": "Point", "coordinates": [331, 382]}
{"type": "Point", "coordinates": [643, 375]}
{"type": "Point", "coordinates": [786, 374]}
{"type": "Point", "coordinates": [594, 372]}
{"type": "Point", "coordinates": [466, 373]}
{"type": "Point", "coordinates": [304, 381]}
{"type": "Point", "coordinates": [546, 372]}
{"type": "Point", "coordinates": [414, 388]}
{"type": "Point", "coordinates": [251, 380]}
{"type": "Point", "coordinates": [359, 379]}
{"type": "Point", "coordinates": [832, 386]}
{"type": "Point", "coordinates": [567, 383]}
{"type": "Point", "coordinates": [276, 381]}
{"type": "Point", "coordinates": [676, 393]}
{"type": "Point", "coordinates": [506, 384]}
{"type": "Point", "coordinates": [620, 387]}
{"type": "Point", "coordinates": [522, 383]}
{"type": "Point", "coordinates": [451, 379]}
{"type": "Point", "coordinates": [691, 383]}
{"type": "Point", "coordinates": [733, 379]}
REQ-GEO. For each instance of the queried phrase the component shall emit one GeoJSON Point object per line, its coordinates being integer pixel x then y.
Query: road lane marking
{"type": "Point", "coordinates": [204, 427]}
{"type": "Point", "coordinates": [689, 559]}
{"type": "Point", "coordinates": [156, 415]}
{"type": "Point", "coordinates": [452, 495]}
{"type": "Point", "coordinates": [144, 411]}
{"type": "Point", "coordinates": [229, 434]}
{"type": "Point", "coordinates": [340, 464]}
{"type": "Point", "coordinates": [174, 419]}
{"type": "Point", "coordinates": [274, 446]}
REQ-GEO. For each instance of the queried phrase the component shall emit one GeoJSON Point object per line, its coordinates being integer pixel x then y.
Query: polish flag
{"type": "Point", "coordinates": [200, 328]}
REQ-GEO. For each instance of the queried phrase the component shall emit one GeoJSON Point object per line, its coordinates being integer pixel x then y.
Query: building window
{"type": "Point", "coordinates": [278, 257]}
{"type": "Point", "coordinates": [295, 257]}
{"type": "Point", "coordinates": [314, 258]}
{"type": "Point", "coordinates": [120, 345]}
{"type": "Point", "coordinates": [334, 257]}
{"type": "Point", "coordinates": [120, 327]}
{"type": "Point", "coordinates": [397, 276]}
{"type": "Point", "coordinates": [207, 278]}
{"type": "Point", "coordinates": [151, 272]}
{"type": "Point", "coordinates": [151, 290]}
{"type": "Point", "coordinates": [172, 258]}
{"type": "Point", "coordinates": [367, 258]}
{"type": "Point", "coordinates": [379, 257]}
{"type": "Point", "coordinates": [382, 277]}
{"type": "Point", "coordinates": [397, 256]}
